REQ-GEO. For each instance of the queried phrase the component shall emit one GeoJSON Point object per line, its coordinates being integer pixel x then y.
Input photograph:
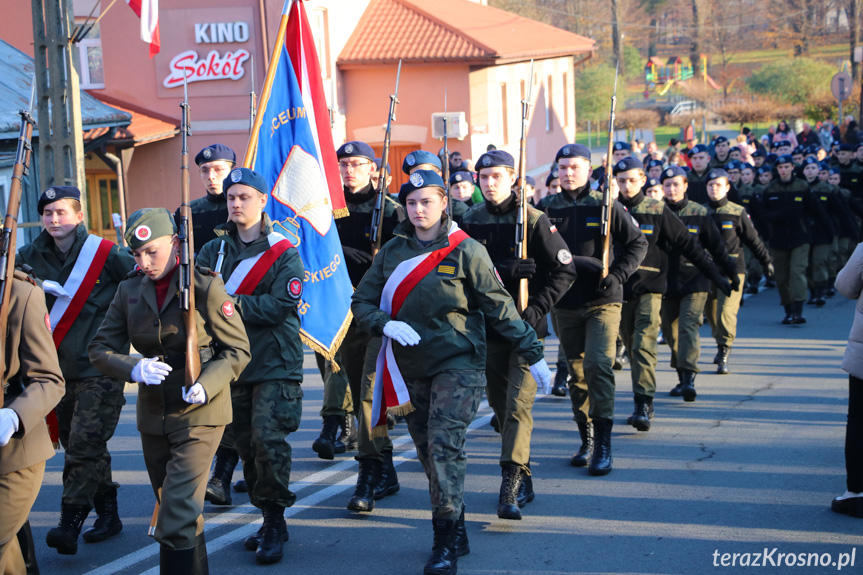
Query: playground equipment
{"type": "Point", "coordinates": [661, 74]}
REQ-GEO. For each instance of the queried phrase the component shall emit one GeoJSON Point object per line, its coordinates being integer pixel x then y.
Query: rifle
{"type": "Point", "coordinates": [378, 213]}
{"type": "Point", "coordinates": [10, 223]}
{"type": "Point", "coordinates": [521, 196]}
{"type": "Point", "coordinates": [446, 161]}
{"type": "Point", "coordinates": [605, 229]}
{"type": "Point", "coordinates": [253, 99]}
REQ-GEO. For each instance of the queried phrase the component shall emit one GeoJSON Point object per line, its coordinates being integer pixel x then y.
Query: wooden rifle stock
{"type": "Point", "coordinates": [521, 219]}
{"type": "Point", "coordinates": [383, 174]}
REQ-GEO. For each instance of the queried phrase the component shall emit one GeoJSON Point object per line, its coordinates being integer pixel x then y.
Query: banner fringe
{"type": "Point", "coordinates": [330, 353]}
{"type": "Point", "coordinates": [401, 410]}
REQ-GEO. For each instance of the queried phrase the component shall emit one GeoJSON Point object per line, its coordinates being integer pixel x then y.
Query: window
{"type": "Point", "coordinates": [549, 102]}
{"type": "Point", "coordinates": [565, 102]}
{"type": "Point", "coordinates": [103, 199]}
{"type": "Point", "coordinates": [320, 35]}
{"type": "Point", "coordinates": [504, 126]}
{"type": "Point", "coordinates": [90, 57]}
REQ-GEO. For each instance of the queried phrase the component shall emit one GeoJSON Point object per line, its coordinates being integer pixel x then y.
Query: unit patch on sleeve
{"type": "Point", "coordinates": [295, 288]}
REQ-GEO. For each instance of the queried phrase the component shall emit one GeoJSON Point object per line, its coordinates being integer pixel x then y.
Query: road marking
{"type": "Point", "coordinates": [252, 526]}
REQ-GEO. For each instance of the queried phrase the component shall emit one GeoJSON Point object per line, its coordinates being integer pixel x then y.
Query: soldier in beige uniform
{"type": "Point", "coordinates": [180, 427]}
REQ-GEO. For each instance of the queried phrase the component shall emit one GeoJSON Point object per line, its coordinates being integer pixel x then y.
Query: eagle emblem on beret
{"type": "Point", "coordinates": [50, 193]}
{"type": "Point", "coordinates": [669, 172]}
{"type": "Point", "coordinates": [236, 176]}
{"type": "Point", "coordinates": [349, 149]}
{"type": "Point", "coordinates": [208, 153]}
{"type": "Point", "coordinates": [565, 151]}
{"type": "Point", "coordinates": [410, 160]}
{"type": "Point", "coordinates": [416, 180]}
{"type": "Point", "coordinates": [486, 161]}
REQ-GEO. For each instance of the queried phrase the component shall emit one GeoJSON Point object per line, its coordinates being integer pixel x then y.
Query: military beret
{"type": "Point", "coordinates": [494, 159]}
{"type": "Point", "coordinates": [717, 173]}
{"type": "Point", "coordinates": [860, 145]}
{"type": "Point", "coordinates": [809, 160]}
{"type": "Point", "coordinates": [355, 150]}
{"type": "Point", "coordinates": [418, 157]}
{"type": "Point", "coordinates": [770, 159]}
{"type": "Point", "coordinates": [824, 165]}
{"type": "Point", "coordinates": [835, 170]}
{"type": "Point", "coordinates": [781, 143]}
{"type": "Point", "coordinates": [246, 177]}
{"type": "Point", "coordinates": [798, 150]}
{"type": "Point", "coordinates": [573, 151]}
{"type": "Point", "coordinates": [672, 172]}
{"type": "Point", "coordinates": [653, 164]}
{"type": "Point", "coordinates": [216, 152]}
{"type": "Point", "coordinates": [720, 140]}
{"type": "Point", "coordinates": [378, 166]}
{"type": "Point", "coordinates": [627, 164]}
{"type": "Point", "coordinates": [651, 183]}
{"type": "Point", "coordinates": [746, 166]}
{"type": "Point", "coordinates": [552, 175]}
{"type": "Point", "coordinates": [765, 169]}
{"type": "Point", "coordinates": [733, 165]}
{"type": "Point", "coordinates": [784, 159]}
{"type": "Point", "coordinates": [618, 146]}
{"type": "Point", "coordinates": [846, 148]}
{"type": "Point", "coordinates": [813, 149]}
{"type": "Point", "coordinates": [697, 149]}
{"type": "Point", "coordinates": [51, 195]}
{"type": "Point", "coordinates": [460, 176]}
{"type": "Point", "coordinates": [418, 180]}
{"type": "Point", "coordinates": [148, 224]}
{"type": "Point", "coordinates": [759, 153]}
{"type": "Point", "coordinates": [530, 181]}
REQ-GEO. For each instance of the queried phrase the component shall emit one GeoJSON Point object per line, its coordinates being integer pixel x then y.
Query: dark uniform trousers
{"type": "Point", "coordinates": [178, 463]}
{"type": "Point", "coordinates": [681, 318]}
{"type": "Point", "coordinates": [511, 391]}
{"type": "Point", "coordinates": [589, 339]}
{"type": "Point", "coordinates": [721, 311]}
{"type": "Point", "coordinates": [791, 273]}
{"type": "Point", "coordinates": [338, 399]}
{"type": "Point", "coordinates": [18, 491]}
{"type": "Point", "coordinates": [87, 417]}
{"type": "Point", "coordinates": [369, 447]}
{"type": "Point", "coordinates": [820, 264]}
{"type": "Point", "coordinates": [639, 327]}
{"type": "Point", "coordinates": [444, 406]}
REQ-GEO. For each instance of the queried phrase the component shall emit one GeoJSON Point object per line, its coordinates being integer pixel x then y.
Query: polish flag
{"type": "Point", "coordinates": [148, 12]}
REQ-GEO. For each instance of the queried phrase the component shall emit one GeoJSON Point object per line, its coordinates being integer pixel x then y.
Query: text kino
{"type": "Point", "coordinates": [213, 67]}
{"type": "Point", "coordinates": [221, 32]}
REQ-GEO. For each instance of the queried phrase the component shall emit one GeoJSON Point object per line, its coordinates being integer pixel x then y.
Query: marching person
{"type": "Point", "coordinates": [824, 240]}
{"type": "Point", "coordinates": [588, 315]}
{"type": "Point", "coordinates": [180, 427]}
{"type": "Point", "coordinates": [737, 231]}
{"type": "Point", "coordinates": [80, 274]}
{"type": "Point", "coordinates": [700, 157]}
{"type": "Point", "coordinates": [35, 386]}
{"type": "Point", "coordinates": [214, 162]}
{"type": "Point", "coordinates": [683, 307]}
{"type": "Point", "coordinates": [435, 342]}
{"type": "Point", "coordinates": [548, 267]}
{"type": "Point", "coordinates": [264, 275]}
{"type": "Point", "coordinates": [666, 237]}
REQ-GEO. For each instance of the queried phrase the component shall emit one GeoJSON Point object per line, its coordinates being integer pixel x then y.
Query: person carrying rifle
{"type": "Point", "coordinates": [180, 425]}
{"type": "Point", "coordinates": [214, 162]}
{"type": "Point", "coordinates": [548, 267]}
{"type": "Point", "coordinates": [588, 315]}
{"type": "Point", "coordinates": [80, 274]}
{"type": "Point", "coordinates": [264, 275]}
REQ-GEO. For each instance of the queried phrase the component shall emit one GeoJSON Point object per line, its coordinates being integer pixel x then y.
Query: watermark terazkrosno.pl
{"type": "Point", "coordinates": [773, 557]}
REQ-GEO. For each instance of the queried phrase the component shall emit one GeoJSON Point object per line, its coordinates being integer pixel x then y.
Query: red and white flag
{"type": "Point", "coordinates": [148, 12]}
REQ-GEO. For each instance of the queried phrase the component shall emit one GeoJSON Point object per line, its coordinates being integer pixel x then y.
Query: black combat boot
{"type": "Point", "coordinates": [525, 490]}
{"type": "Point", "coordinates": [367, 478]}
{"type": "Point", "coordinates": [585, 452]}
{"type": "Point", "coordinates": [219, 485]}
{"type": "Point", "coordinates": [600, 463]}
{"type": "Point", "coordinates": [813, 297]}
{"type": "Point", "coordinates": [677, 390]}
{"type": "Point", "coordinates": [789, 315]}
{"type": "Point", "coordinates": [560, 377]}
{"type": "Point", "coordinates": [507, 504]}
{"type": "Point", "coordinates": [252, 542]}
{"type": "Point", "coordinates": [389, 481]}
{"type": "Point", "coordinates": [830, 291]}
{"type": "Point", "coordinates": [325, 444]}
{"type": "Point", "coordinates": [176, 561]}
{"type": "Point", "coordinates": [28, 548]}
{"type": "Point", "coordinates": [687, 389]}
{"type": "Point", "coordinates": [240, 486]}
{"type": "Point", "coordinates": [640, 418]}
{"type": "Point", "coordinates": [819, 298]}
{"type": "Point", "coordinates": [722, 356]}
{"type": "Point", "coordinates": [797, 313]}
{"type": "Point", "coordinates": [108, 521]}
{"type": "Point", "coordinates": [495, 423]}
{"type": "Point", "coordinates": [444, 557]}
{"type": "Point", "coordinates": [201, 566]}
{"type": "Point", "coordinates": [64, 537]}
{"type": "Point", "coordinates": [347, 439]}
{"type": "Point", "coordinates": [461, 542]}
{"type": "Point", "coordinates": [273, 534]}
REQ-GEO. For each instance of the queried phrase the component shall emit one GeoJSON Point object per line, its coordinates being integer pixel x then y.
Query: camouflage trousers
{"type": "Point", "coordinates": [639, 327]}
{"type": "Point", "coordinates": [511, 391]}
{"type": "Point", "coordinates": [681, 319]}
{"type": "Point", "coordinates": [264, 415]}
{"type": "Point", "coordinates": [87, 417]}
{"type": "Point", "coordinates": [444, 406]}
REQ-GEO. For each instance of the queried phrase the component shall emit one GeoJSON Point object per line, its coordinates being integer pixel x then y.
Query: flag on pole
{"type": "Point", "coordinates": [148, 12]}
{"type": "Point", "coordinates": [292, 147]}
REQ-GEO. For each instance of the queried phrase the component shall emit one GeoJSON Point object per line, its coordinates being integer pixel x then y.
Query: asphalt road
{"type": "Point", "coordinates": [748, 469]}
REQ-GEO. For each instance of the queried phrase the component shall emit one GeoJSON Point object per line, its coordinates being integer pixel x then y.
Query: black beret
{"type": "Point", "coordinates": [759, 153]}
{"type": "Point", "coordinates": [216, 152]}
{"type": "Point", "coordinates": [770, 159]}
{"type": "Point", "coordinates": [798, 150]}
{"type": "Point", "coordinates": [651, 183]}
{"type": "Point", "coordinates": [552, 175]}
{"type": "Point", "coordinates": [494, 159]}
{"type": "Point", "coordinates": [378, 166]}
{"type": "Point", "coordinates": [824, 165]}
{"type": "Point", "coordinates": [51, 195]}
{"type": "Point", "coordinates": [653, 164]}
{"type": "Point", "coordinates": [461, 176]}
{"type": "Point", "coordinates": [734, 165]}
{"type": "Point", "coordinates": [573, 151]}
{"type": "Point", "coordinates": [618, 146]}
{"type": "Point", "coordinates": [720, 140]}
{"type": "Point", "coordinates": [765, 169]}
{"type": "Point", "coordinates": [246, 177]}
{"type": "Point", "coordinates": [846, 148]}
{"type": "Point", "coordinates": [355, 150]}
{"type": "Point", "coordinates": [418, 180]}
{"type": "Point", "coordinates": [784, 159]}
{"type": "Point", "coordinates": [716, 174]}
{"type": "Point", "coordinates": [697, 149]}
{"type": "Point", "coordinates": [746, 166]}
{"type": "Point", "coordinates": [809, 160]}
{"type": "Point", "coordinates": [530, 181]}
{"type": "Point", "coordinates": [672, 172]}
{"type": "Point", "coordinates": [627, 164]}
{"type": "Point", "coordinates": [835, 170]}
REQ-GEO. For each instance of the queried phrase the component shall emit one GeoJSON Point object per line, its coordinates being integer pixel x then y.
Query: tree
{"type": "Point", "coordinates": [792, 81]}
{"type": "Point", "coordinates": [593, 88]}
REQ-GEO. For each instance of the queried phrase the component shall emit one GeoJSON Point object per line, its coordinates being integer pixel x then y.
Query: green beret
{"type": "Point", "coordinates": [147, 224]}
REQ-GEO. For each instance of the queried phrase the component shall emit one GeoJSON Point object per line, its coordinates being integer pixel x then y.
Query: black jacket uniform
{"type": "Point", "coordinates": [787, 207]}
{"type": "Point", "coordinates": [696, 188]}
{"type": "Point", "coordinates": [736, 229]}
{"type": "Point", "coordinates": [579, 222]}
{"type": "Point", "coordinates": [683, 277]}
{"type": "Point", "coordinates": [665, 234]}
{"type": "Point", "coordinates": [831, 200]}
{"type": "Point", "coordinates": [494, 227]}
{"type": "Point", "coordinates": [207, 213]}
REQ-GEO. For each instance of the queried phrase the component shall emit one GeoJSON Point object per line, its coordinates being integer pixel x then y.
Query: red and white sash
{"type": "Point", "coordinates": [250, 271]}
{"type": "Point", "coordinates": [79, 285]}
{"type": "Point", "coordinates": [390, 391]}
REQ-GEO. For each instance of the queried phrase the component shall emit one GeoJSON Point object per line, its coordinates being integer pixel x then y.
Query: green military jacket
{"type": "Point", "coordinates": [134, 317]}
{"type": "Point", "coordinates": [448, 308]}
{"type": "Point", "coordinates": [270, 313]}
{"type": "Point", "coordinates": [49, 263]}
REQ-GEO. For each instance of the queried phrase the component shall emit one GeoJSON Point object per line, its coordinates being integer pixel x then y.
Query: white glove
{"type": "Point", "coordinates": [150, 371]}
{"type": "Point", "coordinates": [55, 289]}
{"type": "Point", "coordinates": [196, 394]}
{"type": "Point", "coordinates": [8, 425]}
{"type": "Point", "coordinates": [541, 374]}
{"type": "Point", "coordinates": [401, 332]}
